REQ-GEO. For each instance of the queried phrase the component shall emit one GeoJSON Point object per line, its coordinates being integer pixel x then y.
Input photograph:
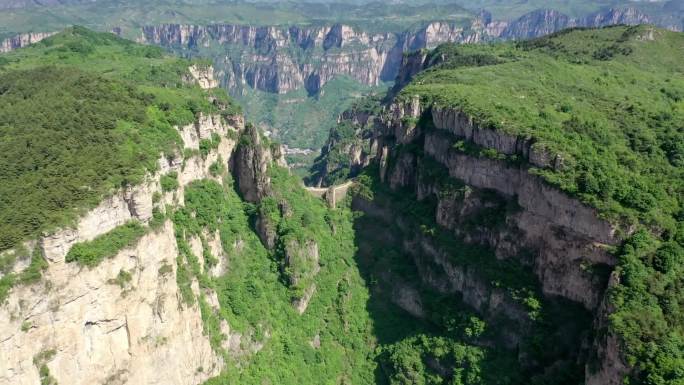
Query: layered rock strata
{"type": "Point", "coordinates": [563, 241]}
{"type": "Point", "coordinates": [283, 59]}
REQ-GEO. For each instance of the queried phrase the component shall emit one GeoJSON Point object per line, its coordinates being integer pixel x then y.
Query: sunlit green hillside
{"type": "Point", "coordinates": [82, 113]}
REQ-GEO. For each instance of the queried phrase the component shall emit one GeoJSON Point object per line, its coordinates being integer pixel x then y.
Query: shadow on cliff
{"type": "Point", "coordinates": [386, 269]}
{"type": "Point", "coordinates": [401, 307]}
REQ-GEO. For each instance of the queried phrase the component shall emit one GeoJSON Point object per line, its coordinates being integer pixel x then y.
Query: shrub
{"type": "Point", "coordinates": [169, 182]}
{"type": "Point", "coordinates": [122, 279]}
{"type": "Point", "coordinates": [107, 245]}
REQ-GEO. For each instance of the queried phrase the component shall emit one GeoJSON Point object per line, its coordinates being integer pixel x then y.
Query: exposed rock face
{"type": "Point", "coordinates": [560, 239]}
{"type": "Point", "coordinates": [22, 40]}
{"type": "Point", "coordinates": [610, 366]}
{"type": "Point", "coordinates": [266, 231]}
{"type": "Point", "coordinates": [301, 261]}
{"type": "Point", "coordinates": [101, 332]}
{"type": "Point", "coordinates": [136, 202]}
{"type": "Point", "coordinates": [537, 23]}
{"type": "Point", "coordinates": [250, 166]}
{"type": "Point", "coordinates": [283, 59]}
{"type": "Point", "coordinates": [90, 325]}
{"type": "Point", "coordinates": [204, 76]}
{"type": "Point", "coordinates": [411, 65]}
{"type": "Point", "coordinates": [266, 62]}
{"type": "Point", "coordinates": [547, 224]}
{"type": "Point", "coordinates": [613, 16]}
{"type": "Point", "coordinates": [438, 271]}
{"type": "Point", "coordinates": [545, 21]}
{"type": "Point", "coordinates": [357, 151]}
{"type": "Point", "coordinates": [564, 235]}
{"type": "Point", "coordinates": [136, 334]}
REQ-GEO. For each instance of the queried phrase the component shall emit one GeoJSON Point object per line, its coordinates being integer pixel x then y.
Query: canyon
{"type": "Point", "coordinates": [559, 240]}
{"type": "Point", "coordinates": [449, 182]}
{"type": "Point", "coordinates": [435, 242]}
{"type": "Point", "coordinates": [279, 73]}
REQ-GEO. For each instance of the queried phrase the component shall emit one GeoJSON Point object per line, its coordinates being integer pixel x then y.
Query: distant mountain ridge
{"type": "Point", "coordinates": [545, 21]}
{"type": "Point", "coordinates": [282, 59]}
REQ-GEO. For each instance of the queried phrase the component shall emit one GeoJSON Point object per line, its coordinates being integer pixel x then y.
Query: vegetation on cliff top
{"type": "Point", "coordinates": [81, 114]}
{"type": "Point", "coordinates": [107, 245]}
{"type": "Point", "coordinates": [609, 101]}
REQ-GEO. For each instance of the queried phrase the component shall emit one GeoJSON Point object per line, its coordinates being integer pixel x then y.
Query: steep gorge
{"type": "Point", "coordinates": [469, 208]}
{"type": "Point", "coordinates": [215, 266]}
{"type": "Point", "coordinates": [516, 251]}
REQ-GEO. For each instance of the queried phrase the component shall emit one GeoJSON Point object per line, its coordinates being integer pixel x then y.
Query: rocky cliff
{"type": "Point", "coordinates": [22, 40]}
{"type": "Point", "coordinates": [250, 166]}
{"type": "Point", "coordinates": [564, 235]}
{"type": "Point", "coordinates": [562, 241]}
{"type": "Point", "coordinates": [87, 329]}
{"type": "Point", "coordinates": [283, 59]}
{"type": "Point", "coordinates": [546, 21]}
{"type": "Point", "coordinates": [123, 320]}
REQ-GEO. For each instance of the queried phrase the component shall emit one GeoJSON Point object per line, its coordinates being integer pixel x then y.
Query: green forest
{"type": "Point", "coordinates": [608, 101]}
{"type": "Point", "coordinates": [81, 115]}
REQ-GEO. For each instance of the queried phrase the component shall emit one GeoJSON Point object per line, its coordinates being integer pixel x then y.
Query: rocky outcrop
{"type": "Point", "coordinates": [264, 62]}
{"type": "Point", "coordinates": [563, 241]}
{"type": "Point", "coordinates": [411, 64]}
{"type": "Point", "coordinates": [537, 23]}
{"type": "Point", "coordinates": [545, 21]}
{"type": "Point", "coordinates": [564, 235]}
{"type": "Point", "coordinates": [343, 155]}
{"type": "Point", "coordinates": [500, 206]}
{"type": "Point", "coordinates": [250, 166]}
{"type": "Point", "coordinates": [301, 266]}
{"type": "Point", "coordinates": [204, 76]}
{"type": "Point", "coordinates": [439, 271]}
{"type": "Point", "coordinates": [23, 40]}
{"type": "Point", "coordinates": [462, 126]}
{"type": "Point", "coordinates": [556, 229]}
{"type": "Point", "coordinates": [608, 365]}
{"type": "Point", "coordinates": [615, 16]}
{"type": "Point", "coordinates": [136, 202]}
